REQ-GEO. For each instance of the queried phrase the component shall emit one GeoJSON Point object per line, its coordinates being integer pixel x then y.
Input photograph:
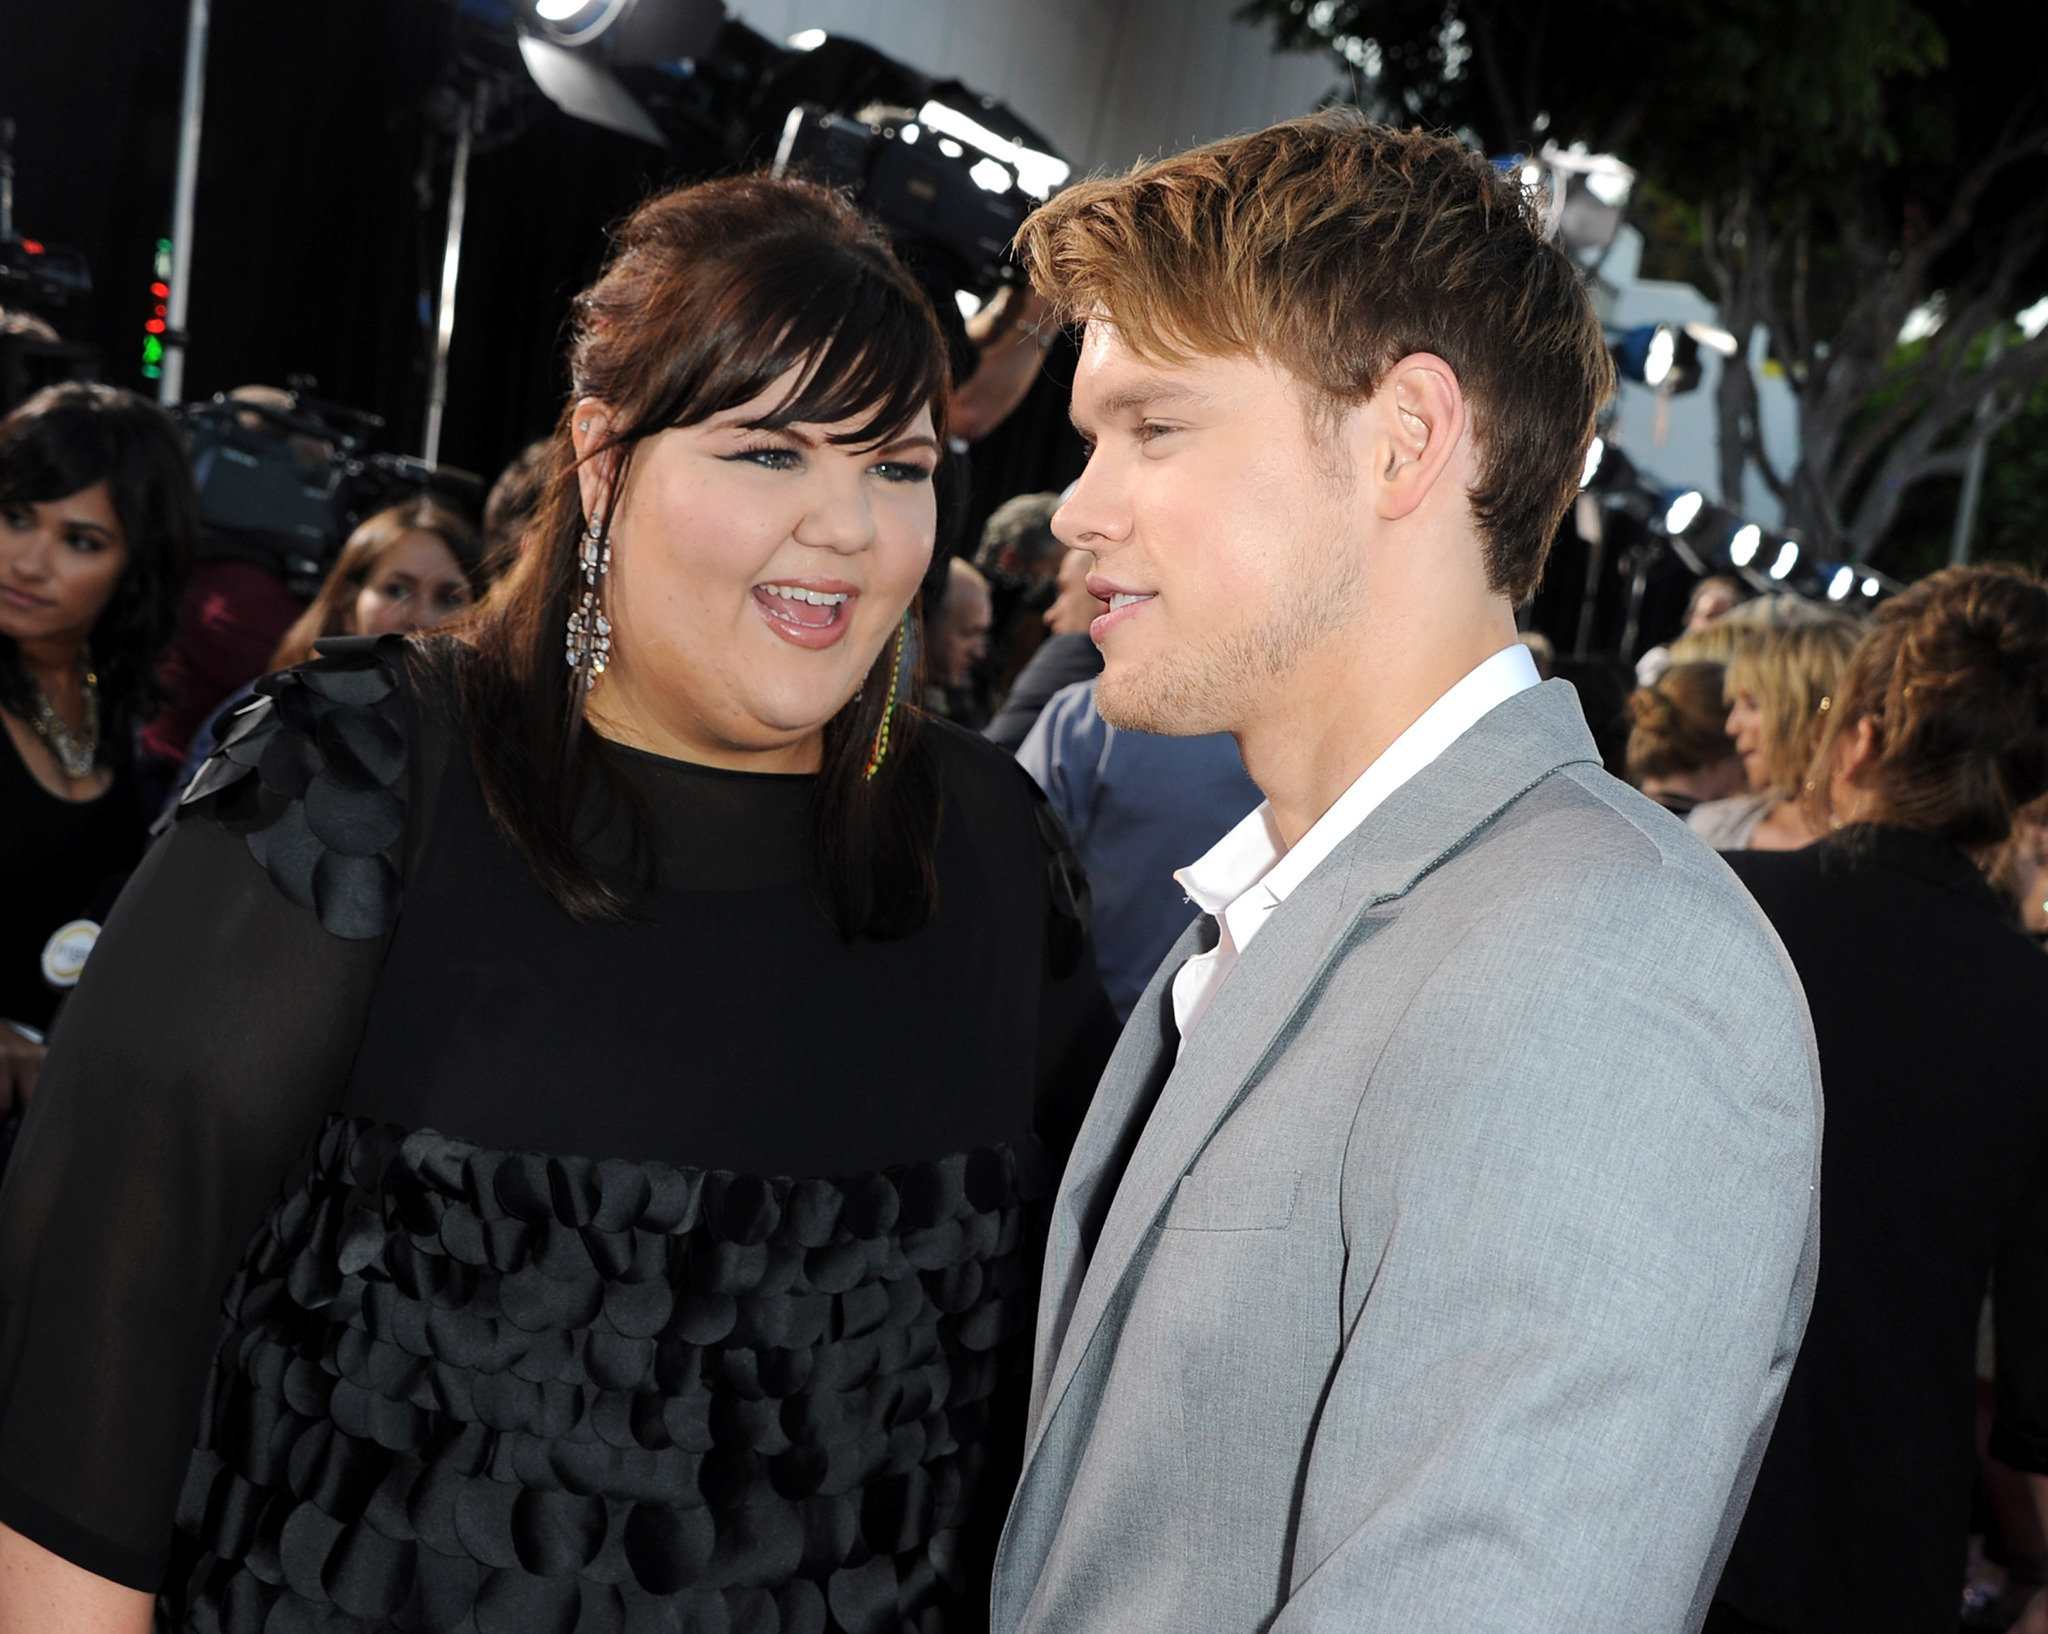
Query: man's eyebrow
{"type": "Point", "coordinates": [1146, 394]}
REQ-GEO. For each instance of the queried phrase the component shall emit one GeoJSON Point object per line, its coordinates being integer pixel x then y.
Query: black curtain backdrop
{"type": "Point", "coordinates": [323, 188]}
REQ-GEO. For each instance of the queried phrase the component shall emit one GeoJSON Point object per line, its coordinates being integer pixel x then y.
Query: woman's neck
{"type": "Point", "coordinates": [55, 669]}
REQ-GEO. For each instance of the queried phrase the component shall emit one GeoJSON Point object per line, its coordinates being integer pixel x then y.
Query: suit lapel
{"type": "Point", "coordinates": [1117, 1115]}
{"type": "Point", "coordinates": [1261, 1004]}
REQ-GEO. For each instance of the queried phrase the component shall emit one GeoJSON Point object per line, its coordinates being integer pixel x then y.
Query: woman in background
{"type": "Point", "coordinates": [97, 516]}
{"type": "Point", "coordinates": [1679, 751]}
{"type": "Point", "coordinates": [1927, 1001]}
{"type": "Point", "coordinates": [556, 1136]}
{"type": "Point", "coordinates": [1783, 665]}
{"type": "Point", "coordinates": [409, 567]}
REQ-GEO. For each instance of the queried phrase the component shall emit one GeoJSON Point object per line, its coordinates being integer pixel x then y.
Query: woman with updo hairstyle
{"type": "Point", "coordinates": [1679, 751]}
{"type": "Point", "coordinates": [556, 1136]}
{"type": "Point", "coordinates": [1927, 999]}
{"type": "Point", "coordinates": [97, 515]}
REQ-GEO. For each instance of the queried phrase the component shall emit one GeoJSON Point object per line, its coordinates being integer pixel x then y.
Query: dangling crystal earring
{"type": "Point", "coordinates": [879, 750]}
{"type": "Point", "coordinates": [589, 647]}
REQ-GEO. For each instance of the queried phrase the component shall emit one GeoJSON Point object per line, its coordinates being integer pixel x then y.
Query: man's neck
{"type": "Point", "coordinates": [1340, 709]}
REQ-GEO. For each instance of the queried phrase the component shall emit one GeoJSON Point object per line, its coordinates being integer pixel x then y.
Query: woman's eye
{"type": "Point", "coordinates": [396, 591]}
{"type": "Point", "coordinates": [770, 459]}
{"type": "Point", "coordinates": [902, 471]}
{"type": "Point", "coordinates": [19, 520]}
{"type": "Point", "coordinates": [84, 543]}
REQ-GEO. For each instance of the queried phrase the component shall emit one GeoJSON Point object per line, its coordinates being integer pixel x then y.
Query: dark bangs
{"type": "Point", "coordinates": [859, 335]}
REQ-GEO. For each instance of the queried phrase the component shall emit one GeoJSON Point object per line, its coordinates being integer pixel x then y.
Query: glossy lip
{"type": "Point", "coordinates": [1103, 589]}
{"type": "Point", "coordinates": [810, 637]}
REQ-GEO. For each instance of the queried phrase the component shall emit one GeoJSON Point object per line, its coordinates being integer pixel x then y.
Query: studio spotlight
{"type": "Point", "coordinates": [1788, 558]}
{"type": "Point", "coordinates": [1871, 587]}
{"type": "Point", "coordinates": [1683, 510]}
{"type": "Point", "coordinates": [1745, 543]}
{"type": "Point", "coordinates": [1596, 451]}
{"type": "Point", "coordinates": [1662, 356]}
{"type": "Point", "coordinates": [1841, 584]}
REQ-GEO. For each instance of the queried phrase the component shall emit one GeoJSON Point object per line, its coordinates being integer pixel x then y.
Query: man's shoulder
{"type": "Point", "coordinates": [1582, 862]}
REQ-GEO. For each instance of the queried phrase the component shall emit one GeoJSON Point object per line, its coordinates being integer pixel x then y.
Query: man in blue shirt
{"type": "Point", "coordinates": [1139, 806]}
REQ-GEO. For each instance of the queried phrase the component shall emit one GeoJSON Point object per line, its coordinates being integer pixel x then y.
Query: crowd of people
{"type": "Point", "coordinates": [545, 1083]}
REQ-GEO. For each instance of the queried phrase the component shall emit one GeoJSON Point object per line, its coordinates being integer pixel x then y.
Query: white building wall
{"type": "Point", "coordinates": [1108, 81]}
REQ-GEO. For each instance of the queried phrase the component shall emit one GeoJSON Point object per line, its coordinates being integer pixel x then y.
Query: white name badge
{"type": "Point", "coordinates": [65, 953]}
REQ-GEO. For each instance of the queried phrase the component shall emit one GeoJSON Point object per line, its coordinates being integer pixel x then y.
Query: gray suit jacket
{"type": "Point", "coordinates": [1457, 1268]}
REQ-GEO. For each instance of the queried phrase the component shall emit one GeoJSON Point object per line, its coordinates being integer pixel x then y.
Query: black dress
{"type": "Point", "coordinates": [666, 1275]}
{"type": "Point", "coordinates": [54, 856]}
{"type": "Point", "coordinates": [1927, 1004]}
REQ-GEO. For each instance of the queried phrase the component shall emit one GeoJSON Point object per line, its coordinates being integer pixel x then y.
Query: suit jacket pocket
{"type": "Point", "coordinates": [1234, 1200]}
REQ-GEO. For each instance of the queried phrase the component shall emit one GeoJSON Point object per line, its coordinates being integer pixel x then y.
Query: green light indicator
{"type": "Point", "coordinates": [163, 258]}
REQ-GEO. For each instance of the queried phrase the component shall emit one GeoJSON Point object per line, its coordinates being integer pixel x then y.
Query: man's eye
{"type": "Point", "coordinates": [1152, 431]}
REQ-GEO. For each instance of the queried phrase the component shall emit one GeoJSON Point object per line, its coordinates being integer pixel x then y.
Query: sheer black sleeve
{"type": "Point", "coordinates": [213, 1027]}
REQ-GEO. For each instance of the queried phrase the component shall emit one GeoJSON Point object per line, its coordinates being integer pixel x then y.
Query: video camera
{"type": "Point", "coordinates": [34, 278]}
{"type": "Point", "coordinates": [283, 486]}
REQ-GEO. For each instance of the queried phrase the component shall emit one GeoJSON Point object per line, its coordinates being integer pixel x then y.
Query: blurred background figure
{"type": "Point", "coordinates": [1542, 652]}
{"type": "Point", "coordinates": [1784, 662]}
{"type": "Point", "coordinates": [407, 568]}
{"type": "Point", "coordinates": [2026, 869]}
{"type": "Point", "coordinates": [512, 505]}
{"type": "Point", "coordinates": [236, 610]}
{"type": "Point", "coordinates": [1679, 750]}
{"type": "Point", "coordinates": [1927, 1003]}
{"type": "Point", "coordinates": [1020, 558]}
{"type": "Point", "coordinates": [96, 523]}
{"type": "Point", "coordinates": [956, 642]}
{"type": "Point", "coordinates": [1138, 807]}
{"type": "Point", "coordinates": [1067, 654]}
{"type": "Point", "coordinates": [1712, 598]}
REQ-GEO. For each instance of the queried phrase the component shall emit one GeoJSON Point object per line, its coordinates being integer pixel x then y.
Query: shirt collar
{"type": "Point", "coordinates": [1253, 855]}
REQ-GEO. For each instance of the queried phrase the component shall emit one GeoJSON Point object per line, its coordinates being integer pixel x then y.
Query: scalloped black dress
{"type": "Point", "coordinates": [387, 1250]}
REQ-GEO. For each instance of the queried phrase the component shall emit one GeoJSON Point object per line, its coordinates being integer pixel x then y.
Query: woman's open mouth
{"type": "Point", "coordinates": [809, 614]}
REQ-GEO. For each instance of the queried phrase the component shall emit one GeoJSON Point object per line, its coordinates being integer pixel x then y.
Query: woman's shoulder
{"type": "Point", "coordinates": [316, 773]}
{"type": "Point", "coordinates": [1727, 825]}
{"type": "Point", "coordinates": [1016, 828]}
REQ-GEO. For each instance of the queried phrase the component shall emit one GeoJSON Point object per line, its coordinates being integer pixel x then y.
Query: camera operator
{"type": "Point", "coordinates": [97, 516]}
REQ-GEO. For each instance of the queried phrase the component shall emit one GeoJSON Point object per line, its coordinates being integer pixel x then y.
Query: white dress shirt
{"type": "Point", "coordinates": [1250, 871]}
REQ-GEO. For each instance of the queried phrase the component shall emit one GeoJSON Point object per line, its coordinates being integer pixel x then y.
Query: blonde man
{"type": "Point", "coordinates": [1440, 1237]}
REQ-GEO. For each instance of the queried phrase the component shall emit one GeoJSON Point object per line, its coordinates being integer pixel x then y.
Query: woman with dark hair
{"type": "Point", "coordinates": [609, 1100]}
{"type": "Point", "coordinates": [96, 521]}
{"type": "Point", "coordinates": [1927, 1000]}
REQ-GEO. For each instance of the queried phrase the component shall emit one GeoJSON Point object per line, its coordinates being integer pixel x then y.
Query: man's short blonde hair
{"type": "Point", "coordinates": [1335, 247]}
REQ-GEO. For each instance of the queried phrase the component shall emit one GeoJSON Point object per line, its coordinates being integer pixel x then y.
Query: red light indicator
{"type": "Point", "coordinates": [34, 246]}
{"type": "Point", "coordinates": [161, 291]}
{"type": "Point", "coordinates": [155, 326]}
{"type": "Point", "coordinates": [160, 309]}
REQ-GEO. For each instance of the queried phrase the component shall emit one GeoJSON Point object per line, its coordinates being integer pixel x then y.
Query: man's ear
{"type": "Point", "coordinates": [1416, 427]}
{"type": "Point", "coordinates": [591, 433]}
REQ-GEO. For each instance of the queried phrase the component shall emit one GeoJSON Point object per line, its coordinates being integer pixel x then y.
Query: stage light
{"type": "Point", "coordinates": [1662, 356]}
{"type": "Point", "coordinates": [577, 22]}
{"type": "Point", "coordinates": [1683, 510]}
{"type": "Point", "coordinates": [1746, 542]}
{"type": "Point", "coordinates": [1596, 452]}
{"type": "Point", "coordinates": [989, 176]}
{"type": "Point", "coordinates": [1038, 174]}
{"type": "Point", "coordinates": [1661, 353]}
{"type": "Point", "coordinates": [807, 39]}
{"type": "Point", "coordinates": [1788, 558]}
{"type": "Point", "coordinates": [908, 134]}
{"type": "Point", "coordinates": [1841, 584]}
{"type": "Point", "coordinates": [1871, 587]}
